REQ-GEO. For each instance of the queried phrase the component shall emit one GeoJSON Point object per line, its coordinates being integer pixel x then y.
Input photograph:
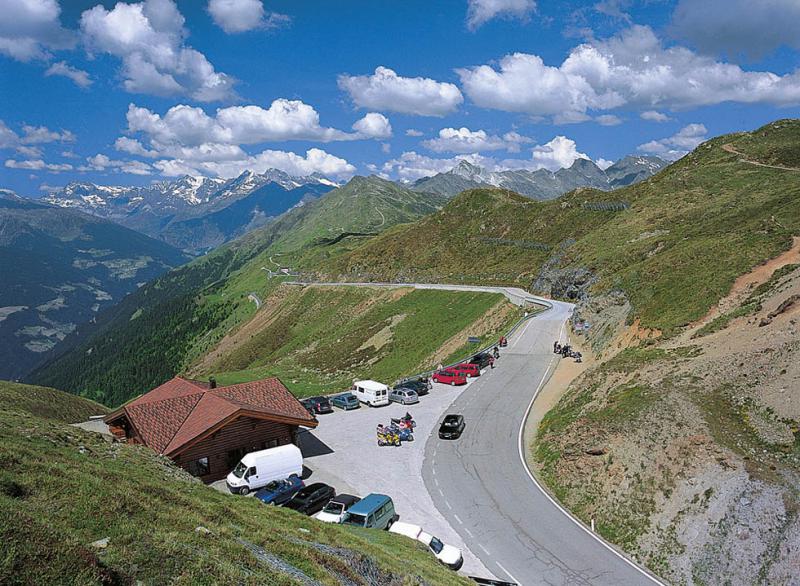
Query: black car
{"type": "Point", "coordinates": [317, 405]}
{"type": "Point", "coordinates": [451, 427]}
{"type": "Point", "coordinates": [418, 386]}
{"type": "Point", "coordinates": [308, 404]}
{"type": "Point", "coordinates": [311, 499]}
{"type": "Point", "coordinates": [482, 360]}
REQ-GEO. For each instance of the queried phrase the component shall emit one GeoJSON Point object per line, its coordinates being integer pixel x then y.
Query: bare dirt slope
{"type": "Point", "coordinates": [686, 452]}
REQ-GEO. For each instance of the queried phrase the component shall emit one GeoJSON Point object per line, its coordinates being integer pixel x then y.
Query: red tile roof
{"type": "Point", "coordinates": [180, 410]}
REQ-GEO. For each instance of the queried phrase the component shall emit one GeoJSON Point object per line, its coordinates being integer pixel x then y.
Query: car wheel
{"type": "Point", "coordinates": [244, 491]}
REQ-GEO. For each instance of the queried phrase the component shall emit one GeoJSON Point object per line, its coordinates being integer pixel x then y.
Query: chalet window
{"type": "Point", "coordinates": [199, 467]}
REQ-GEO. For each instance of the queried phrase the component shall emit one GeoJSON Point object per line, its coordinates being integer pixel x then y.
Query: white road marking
{"type": "Point", "coordinates": [436, 481]}
{"type": "Point", "coordinates": [457, 519]}
{"type": "Point", "coordinates": [469, 532]}
{"type": "Point", "coordinates": [448, 504]}
{"type": "Point", "coordinates": [441, 493]}
{"type": "Point", "coordinates": [486, 551]}
{"type": "Point", "coordinates": [521, 446]}
{"type": "Point", "coordinates": [510, 575]}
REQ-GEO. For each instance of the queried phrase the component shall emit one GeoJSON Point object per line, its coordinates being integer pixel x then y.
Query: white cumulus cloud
{"type": "Point", "coordinates": [283, 120]}
{"type": "Point", "coordinates": [373, 125]}
{"type": "Point", "coordinates": [149, 38]}
{"type": "Point", "coordinates": [654, 116]}
{"type": "Point", "coordinates": [314, 161]}
{"type": "Point", "coordinates": [464, 140]}
{"type": "Point", "coordinates": [559, 153]}
{"type": "Point", "coordinates": [101, 162]}
{"type": "Point", "coordinates": [480, 12]}
{"type": "Point", "coordinates": [677, 145]}
{"type": "Point", "coordinates": [385, 90]}
{"type": "Point", "coordinates": [632, 70]}
{"type": "Point", "coordinates": [78, 76]}
{"type": "Point", "coordinates": [37, 165]}
{"type": "Point", "coordinates": [29, 28]}
{"type": "Point", "coordinates": [238, 16]}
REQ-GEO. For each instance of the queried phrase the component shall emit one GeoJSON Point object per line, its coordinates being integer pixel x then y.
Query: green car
{"type": "Point", "coordinates": [345, 401]}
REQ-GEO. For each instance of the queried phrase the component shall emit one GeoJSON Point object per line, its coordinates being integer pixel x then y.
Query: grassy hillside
{"type": "Point", "coordinates": [673, 243]}
{"type": "Point", "coordinates": [61, 489]}
{"type": "Point", "coordinates": [685, 450]}
{"type": "Point", "coordinates": [48, 403]}
{"type": "Point", "coordinates": [318, 339]}
{"type": "Point", "coordinates": [168, 324]}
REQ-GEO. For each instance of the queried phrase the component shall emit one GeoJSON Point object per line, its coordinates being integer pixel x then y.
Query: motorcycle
{"type": "Point", "coordinates": [387, 436]}
{"type": "Point", "coordinates": [405, 422]}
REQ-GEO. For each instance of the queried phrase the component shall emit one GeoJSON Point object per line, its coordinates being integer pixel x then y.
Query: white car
{"type": "Point", "coordinates": [447, 554]}
{"type": "Point", "coordinates": [336, 508]}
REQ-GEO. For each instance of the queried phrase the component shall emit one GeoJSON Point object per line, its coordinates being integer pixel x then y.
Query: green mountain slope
{"type": "Point", "coordinates": [61, 489]}
{"type": "Point", "coordinates": [60, 267]}
{"type": "Point", "coordinates": [169, 323]}
{"type": "Point", "coordinates": [673, 244]}
{"type": "Point", "coordinates": [318, 339]}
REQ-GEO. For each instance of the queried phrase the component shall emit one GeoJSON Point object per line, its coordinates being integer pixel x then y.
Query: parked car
{"type": "Point", "coordinates": [468, 369]}
{"type": "Point", "coordinates": [336, 508]}
{"type": "Point", "coordinates": [418, 386]}
{"type": "Point", "coordinates": [279, 492]}
{"type": "Point", "coordinates": [372, 393]}
{"type": "Point", "coordinates": [308, 404]}
{"type": "Point", "coordinates": [482, 360]}
{"type": "Point", "coordinates": [447, 554]}
{"type": "Point", "coordinates": [318, 405]}
{"type": "Point", "coordinates": [449, 377]}
{"type": "Point", "coordinates": [258, 469]}
{"type": "Point", "coordinates": [374, 511]}
{"type": "Point", "coordinates": [345, 401]}
{"type": "Point", "coordinates": [452, 426]}
{"type": "Point", "coordinates": [403, 396]}
{"type": "Point", "coordinates": [311, 499]}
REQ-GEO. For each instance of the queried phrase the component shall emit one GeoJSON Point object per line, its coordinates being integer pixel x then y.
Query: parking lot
{"type": "Point", "coordinates": [343, 452]}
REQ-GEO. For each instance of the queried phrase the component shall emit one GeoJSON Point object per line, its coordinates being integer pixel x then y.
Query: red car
{"type": "Point", "coordinates": [467, 369]}
{"type": "Point", "coordinates": [449, 377]}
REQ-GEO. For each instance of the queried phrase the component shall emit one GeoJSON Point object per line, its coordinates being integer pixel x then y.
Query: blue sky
{"type": "Point", "coordinates": [132, 92]}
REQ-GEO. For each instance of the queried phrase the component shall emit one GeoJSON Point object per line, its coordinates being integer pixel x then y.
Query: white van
{"type": "Point", "coordinates": [371, 393]}
{"type": "Point", "coordinates": [258, 469]}
{"type": "Point", "coordinates": [447, 554]}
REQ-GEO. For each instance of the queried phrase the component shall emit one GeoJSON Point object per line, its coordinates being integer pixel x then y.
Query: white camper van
{"type": "Point", "coordinates": [258, 469]}
{"type": "Point", "coordinates": [371, 393]}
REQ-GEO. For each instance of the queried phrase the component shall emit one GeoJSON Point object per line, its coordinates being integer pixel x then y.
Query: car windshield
{"type": "Point", "coordinates": [352, 519]}
{"type": "Point", "coordinates": [240, 469]}
{"type": "Point", "coordinates": [334, 508]}
{"type": "Point", "coordinates": [436, 545]}
{"type": "Point", "coordinates": [273, 486]}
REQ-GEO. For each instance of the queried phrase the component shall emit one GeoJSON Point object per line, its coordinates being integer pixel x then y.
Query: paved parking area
{"type": "Point", "coordinates": [344, 453]}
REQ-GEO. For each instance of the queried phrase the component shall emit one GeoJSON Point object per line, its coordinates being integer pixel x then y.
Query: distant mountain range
{"type": "Point", "coordinates": [195, 213]}
{"type": "Point", "coordinates": [60, 269]}
{"type": "Point", "coordinates": [162, 319]}
{"type": "Point", "coordinates": [543, 184]}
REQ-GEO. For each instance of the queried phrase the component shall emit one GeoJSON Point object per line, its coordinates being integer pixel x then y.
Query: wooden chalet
{"type": "Point", "coordinates": [206, 429]}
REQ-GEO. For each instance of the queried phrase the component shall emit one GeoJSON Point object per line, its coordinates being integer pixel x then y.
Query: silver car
{"type": "Point", "coordinates": [404, 396]}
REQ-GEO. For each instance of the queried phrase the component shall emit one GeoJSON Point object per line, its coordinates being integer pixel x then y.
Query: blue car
{"type": "Point", "coordinates": [279, 492]}
{"type": "Point", "coordinates": [345, 401]}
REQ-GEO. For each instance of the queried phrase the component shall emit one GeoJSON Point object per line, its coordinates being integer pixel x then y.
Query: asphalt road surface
{"type": "Point", "coordinates": [481, 485]}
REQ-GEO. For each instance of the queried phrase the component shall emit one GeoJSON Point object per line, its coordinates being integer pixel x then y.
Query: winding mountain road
{"type": "Point", "coordinates": [481, 484]}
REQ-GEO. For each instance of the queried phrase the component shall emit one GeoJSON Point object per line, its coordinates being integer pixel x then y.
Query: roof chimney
{"type": "Point", "coordinates": [212, 383]}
